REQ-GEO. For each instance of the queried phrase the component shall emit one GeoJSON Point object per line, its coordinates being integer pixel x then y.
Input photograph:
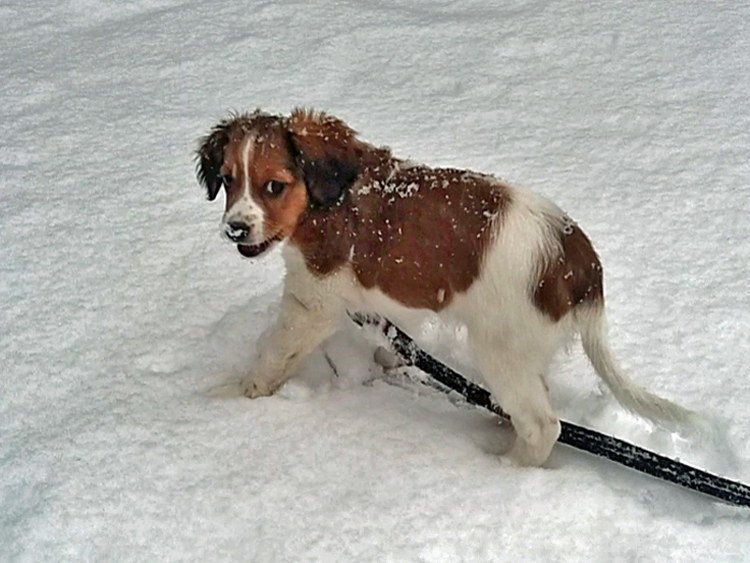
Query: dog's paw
{"type": "Point", "coordinates": [519, 457]}
{"type": "Point", "coordinates": [254, 388]}
{"type": "Point", "coordinates": [531, 454]}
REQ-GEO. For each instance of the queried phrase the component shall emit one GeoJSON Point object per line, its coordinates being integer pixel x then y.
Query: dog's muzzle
{"type": "Point", "coordinates": [240, 233]}
{"type": "Point", "coordinates": [237, 231]}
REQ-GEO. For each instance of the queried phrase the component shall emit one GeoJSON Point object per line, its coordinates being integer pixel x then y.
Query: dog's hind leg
{"type": "Point", "coordinates": [514, 376]}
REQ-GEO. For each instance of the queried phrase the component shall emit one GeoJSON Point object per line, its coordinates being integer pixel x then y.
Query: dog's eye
{"type": "Point", "coordinates": [226, 179]}
{"type": "Point", "coordinates": [274, 187]}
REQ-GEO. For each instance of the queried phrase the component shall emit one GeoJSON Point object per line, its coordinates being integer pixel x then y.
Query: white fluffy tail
{"type": "Point", "coordinates": [593, 329]}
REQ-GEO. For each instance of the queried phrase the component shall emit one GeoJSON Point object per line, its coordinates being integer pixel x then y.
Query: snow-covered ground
{"type": "Point", "coordinates": [125, 321]}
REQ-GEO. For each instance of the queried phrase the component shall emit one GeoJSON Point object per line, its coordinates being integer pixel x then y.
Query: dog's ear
{"type": "Point", "coordinates": [210, 156]}
{"type": "Point", "coordinates": [326, 153]}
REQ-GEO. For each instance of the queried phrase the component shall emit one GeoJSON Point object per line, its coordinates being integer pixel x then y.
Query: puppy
{"type": "Point", "coordinates": [363, 230]}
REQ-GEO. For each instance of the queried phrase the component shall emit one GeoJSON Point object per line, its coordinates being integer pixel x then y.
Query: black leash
{"type": "Point", "coordinates": [591, 441]}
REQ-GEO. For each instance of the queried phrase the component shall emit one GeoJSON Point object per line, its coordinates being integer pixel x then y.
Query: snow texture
{"type": "Point", "coordinates": [126, 322]}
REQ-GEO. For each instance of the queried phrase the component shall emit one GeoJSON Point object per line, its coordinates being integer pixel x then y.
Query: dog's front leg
{"type": "Point", "coordinates": [302, 325]}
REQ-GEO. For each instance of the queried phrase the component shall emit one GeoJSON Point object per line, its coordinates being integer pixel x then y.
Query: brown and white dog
{"type": "Point", "coordinates": [364, 230]}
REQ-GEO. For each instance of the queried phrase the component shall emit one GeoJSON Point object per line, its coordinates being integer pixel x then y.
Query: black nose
{"type": "Point", "coordinates": [237, 231]}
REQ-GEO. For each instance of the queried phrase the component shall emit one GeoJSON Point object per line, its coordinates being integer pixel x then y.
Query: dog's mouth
{"type": "Point", "coordinates": [254, 250]}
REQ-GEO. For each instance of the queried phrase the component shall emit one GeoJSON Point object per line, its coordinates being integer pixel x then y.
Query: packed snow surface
{"type": "Point", "coordinates": [126, 322]}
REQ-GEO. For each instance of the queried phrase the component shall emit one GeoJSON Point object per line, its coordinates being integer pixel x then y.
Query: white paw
{"type": "Point", "coordinates": [254, 387]}
{"type": "Point", "coordinates": [535, 438]}
{"type": "Point", "coordinates": [521, 455]}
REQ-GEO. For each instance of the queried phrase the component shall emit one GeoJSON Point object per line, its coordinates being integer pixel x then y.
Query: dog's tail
{"type": "Point", "coordinates": [593, 328]}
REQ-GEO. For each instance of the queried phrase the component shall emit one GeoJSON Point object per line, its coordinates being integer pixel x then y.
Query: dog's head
{"type": "Point", "coordinates": [274, 170]}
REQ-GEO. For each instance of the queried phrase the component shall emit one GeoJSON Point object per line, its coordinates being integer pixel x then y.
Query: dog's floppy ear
{"type": "Point", "coordinates": [210, 156]}
{"type": "Point", "coordinates": [327, 154]}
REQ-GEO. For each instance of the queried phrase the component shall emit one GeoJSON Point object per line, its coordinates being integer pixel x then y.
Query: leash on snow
{"type": "Point", "coordinates": [584, 439]}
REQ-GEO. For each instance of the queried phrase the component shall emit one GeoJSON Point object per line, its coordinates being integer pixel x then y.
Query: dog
{"type": "Point", "coordinates": [363, 230]}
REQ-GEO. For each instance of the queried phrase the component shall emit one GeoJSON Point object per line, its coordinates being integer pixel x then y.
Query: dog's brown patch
{"type": "Point", "coordinates": [572, 278]}
{"type": "Point", "coordinates": [417, 234]}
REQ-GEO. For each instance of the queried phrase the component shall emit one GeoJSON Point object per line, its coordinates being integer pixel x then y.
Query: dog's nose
{"type": "Point", "coordinates": [237, 231]}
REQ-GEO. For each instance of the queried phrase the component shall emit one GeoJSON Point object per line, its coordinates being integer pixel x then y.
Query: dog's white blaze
{"type": "Point", "coordinates": [247, 154]}
{"type": "Point", "coordinates": [246, 209]}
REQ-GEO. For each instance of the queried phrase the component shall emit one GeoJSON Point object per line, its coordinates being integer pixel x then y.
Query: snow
{"type": "Point", "coordinates": [126, 321]}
